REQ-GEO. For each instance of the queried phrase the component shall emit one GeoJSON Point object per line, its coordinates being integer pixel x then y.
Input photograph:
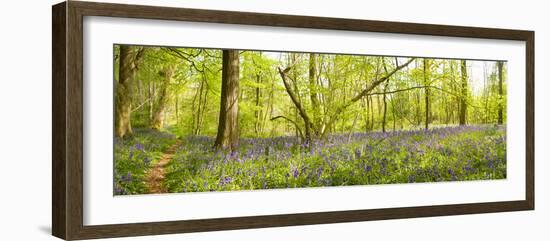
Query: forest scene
{"type": "Point", "coordinates": [203, 120]}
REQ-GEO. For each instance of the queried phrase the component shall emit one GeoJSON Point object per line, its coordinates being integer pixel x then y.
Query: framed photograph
{"type": "Point", "coordinates": [171, 120]}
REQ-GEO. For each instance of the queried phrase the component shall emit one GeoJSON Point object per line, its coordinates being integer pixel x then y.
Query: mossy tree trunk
{"type": "Point", "coordinates": [129, 61]}
{"type": "Point", "coordinates": [158, 116]}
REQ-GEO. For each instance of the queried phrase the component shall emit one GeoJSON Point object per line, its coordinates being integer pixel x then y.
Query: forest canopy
{"type": "Point", "coordinates": [180, 88]}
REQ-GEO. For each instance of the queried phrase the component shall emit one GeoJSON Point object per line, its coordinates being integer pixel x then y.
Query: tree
{"type": "Point", "coordinates": [313, 90]}
{"type": "Point", "coordinates": [315, 99]}
{"type": "Point", "coordinates": [385, 104]}
{"type": "Point", "coordinates": [316, 132]}
{"type": "Point", "coordinates": [427, 92]}
{"type": "Point", "coordinates": [463, 93]}
{"type": "Point", "coordinates": [128, 65]}
{"type": "Point", "coordinates": [258, 111]}
{"type": "Point", "coordinates": [227, 137]}
{"type": "Point", "coordinates": [500, 93]}
{"type": "Point", "coordinates": [158, 116]}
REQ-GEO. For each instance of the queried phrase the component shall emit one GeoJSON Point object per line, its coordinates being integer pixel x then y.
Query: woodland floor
{"type": "Point", "coordinates": [159, 162]}
{"type": "Point", "coordinates": [155, 176]}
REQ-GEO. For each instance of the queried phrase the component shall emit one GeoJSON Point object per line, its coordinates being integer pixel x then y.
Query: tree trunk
{"type": "Point", "coordinates": [202, 94]}
{"type": "Point", "coordinates": [463, 93]}
{"type": "Point", "coordinates": [313, 90]}
{"type": "Point", "coordinates": [308, 124]}
{"type": "Point", "coordinates": [427, 94]}
{"type": "Point", "coordinates": [176, 107]}
{"type": "Point", "coordinates": [228, 125]}
{"type": "Point", "coordinates": [128, 67]}
{"type": "Point", "coordinates": [385, 108]}
{"type": "Point", "coordinates": [151, 102]}
{"type": "Point", "coordinates": [500, 93]}
{"type": "Point", "coordinates": [369, 99]}
{"type": "Point", "coordinates": [418, 116]}
{"type": "Point", "coordinates": [365, 113]}
{"type": "Point", "coordinates": [158, 116]}
{"type": "Point", "coordinates": [257, 111]}
{"type": "Point", "coordinates": [393, 113]}
{"type": "Point", "coordinates": [486, 93]}
{"type": "Point", "coordinates": [204, 102]}
{"type": "Point", "coordinates": [269, 111]}
{"type": "Point", "coordinates": [199, 110]}
{"type": "Point", "coordinates": [296, 130]}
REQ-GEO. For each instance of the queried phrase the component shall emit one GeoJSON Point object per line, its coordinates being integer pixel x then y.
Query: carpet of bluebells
{"type": "Point", "coordinates": [440, 154]}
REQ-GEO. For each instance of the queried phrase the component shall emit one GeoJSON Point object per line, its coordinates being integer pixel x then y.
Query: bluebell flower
{"type": "Point", "coordinates": [319, 172]}
{"type": "Point", "coordinates": [225, 180]}
{"type": "Point", "coordinates": [295, 173]}
{"type": "Point", "coordinates": [127, 177]}
{"type": "Point", "coordinates": [367, 168]}
{"type": "Point", "coordinates": [139, 146]}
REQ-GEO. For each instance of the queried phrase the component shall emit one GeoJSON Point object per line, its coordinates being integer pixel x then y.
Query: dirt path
{"type": "Point", "coordinates": [155, 175]}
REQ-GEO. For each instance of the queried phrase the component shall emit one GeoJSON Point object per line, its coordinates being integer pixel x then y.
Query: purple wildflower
{"type": "Point", "coordinates": [139, 146]}
{"type": "Point", "coordinates": [295, 172]}
{"type": "Point", "coordinates": [225, 180]}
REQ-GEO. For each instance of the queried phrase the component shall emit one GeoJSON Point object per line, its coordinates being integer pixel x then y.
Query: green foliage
{"type": "Point", "coordinates": [194, 92]}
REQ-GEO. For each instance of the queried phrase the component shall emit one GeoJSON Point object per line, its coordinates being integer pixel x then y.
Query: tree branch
{"type": "Point", "coordinates": [141, 105]}
{"type": "Point", "coordinates": [139, 54]}
{"type": "Point", "coordinates": [400, 90]}
{"type": "Point", "coordinates": [293, 97]}
{"type": "Point", "coordinates": [291, 121]}
{"type": "Point", "coordinates": [374, 84]}
{"type": "Point", "coordinates": [421, 87]}
{"type": "Point", "coordinates": [138, 57]}
{"type": "Point", "coordinates": [366, 91]}
{"type": "Point", "coordinates": [181, 54]}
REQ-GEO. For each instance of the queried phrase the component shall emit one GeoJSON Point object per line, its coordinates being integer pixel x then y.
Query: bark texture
{"type": "Point", "coordinates": [463, 94]}
{"type": "Point", "coordinates": [158, 117]}
{"type": "Point", "coordinates": [129, 60]}
{"type": "Point", "coordinates": [500, 93]}
{"type": "Point", "coordinates": [313, 90]}
{"type": "Point", "coordinates": [427, 93]}
{"type": "Point", "coordinates": [228, 125]}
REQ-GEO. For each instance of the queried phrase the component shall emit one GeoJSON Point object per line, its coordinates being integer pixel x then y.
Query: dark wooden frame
{"type": "Point", "coordinates": [67, 123]}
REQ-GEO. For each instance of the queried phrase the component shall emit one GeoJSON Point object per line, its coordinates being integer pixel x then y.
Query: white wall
{"type": "Point", "coordinates": [25, 120]}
